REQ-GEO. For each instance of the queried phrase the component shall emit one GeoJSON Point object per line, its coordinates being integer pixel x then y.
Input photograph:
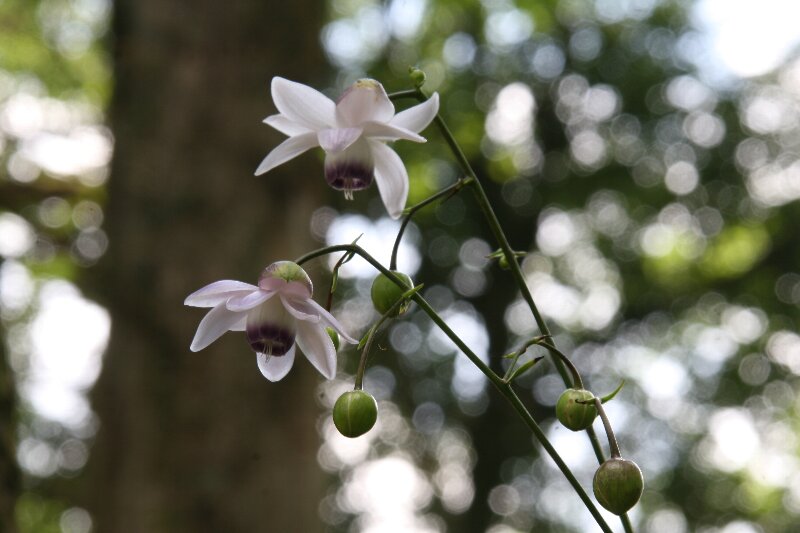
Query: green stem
{"type": "Point", "coordinates": [362, 362]}
{"type": "Point", "coordinates": [612, 439]}
{"type": "Point", "coordinates": [614, 447]}
{"type": "Point", "coordinates": [505, 389]}
{"type": "Point", "coordinates": [491, 219]}
{"type": "Point", "coordinates": [516, 355]}
{"type": "Point", "coordinates": [409, 213]}
{"type": "Point", "coordinates": [373, 331]}
{"type": "Point", "coordinates": [497, 230]}
{"type": "Point", "coordinates": [509, 393]}
{"type": "Point", "coordinates": [577, 382]}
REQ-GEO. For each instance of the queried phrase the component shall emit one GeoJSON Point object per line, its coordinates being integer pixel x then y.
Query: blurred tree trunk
{"type": "Point", "coordinates": [10, 477]}
{"type": "Point", "coordinates": [201, 441]}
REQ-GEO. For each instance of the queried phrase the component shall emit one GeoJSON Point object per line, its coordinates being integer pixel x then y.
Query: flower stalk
{"type": "Point", "coordinates": [409, 212]}
{"type": "Point", "coordinates": [373, 331]}
{"type": "Point", "coordinates": [511, 259]}
{"type": "Point", "coordinates": [505, 388]}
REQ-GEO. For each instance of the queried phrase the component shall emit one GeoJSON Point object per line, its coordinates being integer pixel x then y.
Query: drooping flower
{"type": "Point", "coordinates": [353, 132]}
{"type": "Point", "coordinates": [278, 315]}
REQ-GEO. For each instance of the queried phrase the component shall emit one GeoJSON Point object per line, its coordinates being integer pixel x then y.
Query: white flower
{"type": "Point", "coordinates": [353, 132]}
{"type": "Point", "coordinates": [274, 314]}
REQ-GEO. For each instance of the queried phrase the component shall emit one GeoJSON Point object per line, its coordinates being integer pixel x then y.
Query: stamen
{"type": "Point", "coordinates": [270, 339]}
{"type": "Point", "coordinates": [349, 176]}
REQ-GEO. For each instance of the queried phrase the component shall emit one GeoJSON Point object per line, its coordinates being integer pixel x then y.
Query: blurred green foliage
{"type": "Point", "coordinates": [656, 205]}
{"type": "Point", "coordinates": [55, 81]}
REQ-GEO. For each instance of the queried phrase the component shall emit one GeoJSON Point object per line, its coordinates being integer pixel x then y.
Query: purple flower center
{"type": "Point", "coordinates": [270, 339]}
{"type": "Point", "coordinates": [348, 176]}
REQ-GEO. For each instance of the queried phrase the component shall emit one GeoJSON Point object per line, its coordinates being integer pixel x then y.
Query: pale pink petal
{"type": "Point", "coordinates": [241, 325]}
{"type": "Point", "coordinates": [286, 125]}
{"type": "Point", "coordinates": [364, 101]}
{"type": "Point", "coordinates": [391, 177]}
{"type": "Point", "coordinates": [381, 131]}
{"type": "Point", "coordinates": [317, 346]}
{"type": "Point", "coordinates": [217, 292]}
{"type": "Point", "coordinates": [295, 289]}
{"type": "Point", "coordinates": [418, 117]}
{"type": "Point", "coordinates": [214, 324]}
{"type": "Point", "coordinates": [303, 105]}
{"type": "Point", "coordinates": [328, 319]}
{"type": "Point", "coordinates": [271, 283]}
{"type": "Point", "coordinates": [336, 140]}
{"type": "Point", "coordinates": [299, 310]}
{"type": "Point", "coordinates": [288, 149]}
{"type": "Point", "coordinates": [275, 367]}
{"type": "Point", "coordinates": [245, 302]}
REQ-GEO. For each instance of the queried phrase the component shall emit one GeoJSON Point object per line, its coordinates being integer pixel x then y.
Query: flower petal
{"type": "Point", "coordinates": [391, 177]}
{"type": "Point", "coordinates": [300, 311]}
{"type": "Point", "coordinates": [317, 346]}
{"type": "Point", "coordinates": [336, 140]}
{"type": "Point", "coordinates": [241, 325]}
{"type": "Point", "coordinates": [418, 117]}
{"type": "Point", "coordinates": [387, 132]}
{"type": "Point", "coordinates": [302, 104]}
{"type": "Point", "coordinates": [214, 324]}
{"type": "Point", "coordinates": [352, 169]}
{"type": "Point", "coordinates": [245, 302]}
{"type": "Point", "coordinates": [365, 100]}
{"type": "Point", "coordinates": [286, 125]}
{"type": "Point", "coordinates": [328, 319]}
{"type": "Point", "coordinates": [275, 367]}
{"type": "Point", "coordinates": [270, 328]}
{"type": "Point", "coordinates": [217, 292]}
{"type": "Point", "coordinates": [288, 149]}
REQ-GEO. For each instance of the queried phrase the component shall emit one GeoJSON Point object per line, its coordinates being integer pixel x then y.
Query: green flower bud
{"type": "Point", "coordinates": [417, 76]}
{"type": "Point", "coordinates": [618, 485]}
{"type": "Point", "coordinates": [287, 271]}
{"type": "Point", "coordinates": [354, 413]}
{"type": "Point", "coordinates": [385, 293]}
{"type": "Point", "coordinates": [503, 263]}
{"type": "Point", "coordinates": [576, 416]}
{"type": "Point", "coordinates": [334, 337]}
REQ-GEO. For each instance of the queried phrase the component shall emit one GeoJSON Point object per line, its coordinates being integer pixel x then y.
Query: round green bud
{"type": "Point", "coordinates": [417, 76]}
{"type": "Point", "coordinates": [503, 262]}
{"type": "Point", "coordinates": [289, 272]}
{"type": "Point", "coordinates": [618, 485]}
{"type": "Point", "coordinates": [334, 337]}
{"type": "Point", "coordinates": [386, 292]}
{"type": "Point", "coordinates": [354, 413]}
{"type": "Point", "coordinates": [574, 415]}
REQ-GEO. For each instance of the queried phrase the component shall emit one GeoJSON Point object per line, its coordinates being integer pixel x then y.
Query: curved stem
{"type": "Point", "coordinates": [491, 219]}
{"type": "Point", "coordinates": [362, 362]}
{"type": "Point", "coordinates": [494, 223]}
{"type": "Point", "coordinates": [512, 397]}
{"type": "Point", "coordinates": [409, 213]}
{"type": "Point", "coordinates": [577, 382]}
{"type": "Point", "coordinates": [505, 389]}
{"type": "Point", "coordinates": [416, 297]}
{"type": "Point", "coordinates": [612, 440]}
{"type": "Point", "coordinates": [614, 450]}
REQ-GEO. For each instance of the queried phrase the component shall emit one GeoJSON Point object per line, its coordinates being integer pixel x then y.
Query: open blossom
{"type": "Point", "coordinates": [278, 315]}
{"type": "Point", "coordinates": [353, 132]}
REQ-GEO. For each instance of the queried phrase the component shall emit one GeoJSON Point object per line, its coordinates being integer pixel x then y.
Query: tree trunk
{"type": "Point", "coordinates": [10, 476]}
{"type": "Point", "coordinates": [201, 441]}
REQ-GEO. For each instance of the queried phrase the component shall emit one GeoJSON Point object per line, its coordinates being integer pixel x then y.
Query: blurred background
{"type": "Point", "coordinates": [645, 153]}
